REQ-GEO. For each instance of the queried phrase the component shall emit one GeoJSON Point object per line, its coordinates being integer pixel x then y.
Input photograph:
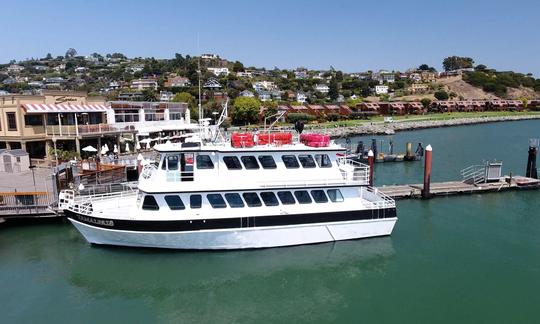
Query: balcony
{"type": "Point", "coordinates": [81, 130]}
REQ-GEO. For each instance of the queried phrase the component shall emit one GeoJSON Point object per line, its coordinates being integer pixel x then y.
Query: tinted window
{"type": "Point", "coordinates": [267, 161]}
{"type": "Point", "coordinates": [286, 197]}
{"type": "Point", "coordinates": [234, 200]}
{"type": "Point", "coordinates": [232, 162]}
{"type": "Point", "coordinates": [269, 198]}
{"type": "Point", "coordinates": [195, 201]}
{"type": "Point", "coordinates": [323, 160]}
{"type": "Point", "coordinates": [319, 196]}
{"type": "Point", "coordinates": [252, 199]}
{"type": "Point", "coordinates": [204, 162]}
{"type": "Point", "coordinates": [334, 195]}
{"type": "Point", "coordinates": [174, 202]}
{"type": "Point", "coordinates": [302, 196]}
{"type": "Point", "coordinates": [170, 162]}
{"type": "Point", "coordinates": [216, 201]}
{"type": "Point", "coordinates": [306, 161]}
{"type": "Point", "coordinates": [250, 162]}
{"type": "Point", "coordinates": [150, 203]}
{"type": "Point", "coordinates": [290, 161]}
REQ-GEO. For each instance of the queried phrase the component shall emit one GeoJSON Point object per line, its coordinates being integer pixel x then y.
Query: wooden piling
{"type": "Point", "coordinates": [427, 172]}
{"type": "Point", "coordinates": [371, 160]}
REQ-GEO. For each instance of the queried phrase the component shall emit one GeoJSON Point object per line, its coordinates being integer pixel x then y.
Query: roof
{"type": "Point", "coordinates": [62, 108]}
{"type": "Point", "coordinates": [15, 152]}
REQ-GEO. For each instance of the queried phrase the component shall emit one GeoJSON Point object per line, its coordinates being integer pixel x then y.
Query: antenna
{"type": "Point", "coordinates": [199, 74]}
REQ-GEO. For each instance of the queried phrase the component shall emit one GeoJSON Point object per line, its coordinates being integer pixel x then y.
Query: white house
{"type": "Point", "coordinates": [209, 56]}
{"type": "Point", "coordinates": [80, 69]}
{"type": "Point", "coordinates": [14, 68]}
{"type": "Point", "coordinates": [247, 93]}
{"type": "Point", "coordinates": [135, 68]}
{"type": "Point", "coordinates": [142, 84]}
{"type": "Point", "coordinates": [244, 74]}
{"type": "Point", "coordinates": [264, 96]}
{"type": "Point", "coordinates": [322, 88]}
{"type": "Point", "coordinates": [264, 85]}
{"type": "Point", "coordinates": [218, 71]}
{"type": "Point", "coordinates": [381, 89]}
{"type": "Point", "coordinates": [300, 97]}
{"type": "Point", "coordinates": [166, 96]}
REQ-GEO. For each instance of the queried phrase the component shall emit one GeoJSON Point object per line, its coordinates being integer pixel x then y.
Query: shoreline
{"type": "Point", "coordinates": [381, 128]}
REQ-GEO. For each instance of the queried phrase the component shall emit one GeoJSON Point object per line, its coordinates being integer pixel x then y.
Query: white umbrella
{"type": "Point", "coordinates": [138, 146]}
{"type": "Point", "coordinates": [145, 141]}
{"type": "Point", "coordinates": [115, 150]}
{"type": "Point", "coordinates": [104, 150]}
{"type": "Point", "coordinates": [106, 147]}
{"type": "Point", "coordinates": [89, 148]}
{"type": "Point", "coordinates": [127, 147]}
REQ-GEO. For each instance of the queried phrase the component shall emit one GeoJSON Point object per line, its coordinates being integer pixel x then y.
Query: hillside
{"type": "Point", "coordinates": [463, 89]}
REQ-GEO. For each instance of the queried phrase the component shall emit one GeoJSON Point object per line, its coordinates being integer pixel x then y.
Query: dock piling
{"type": "Point", "coordinates": [427, 172]}
{"type": "Point", "coordinates": [371, 161]}
{"type": "Point", "coordinates": [531, 161]}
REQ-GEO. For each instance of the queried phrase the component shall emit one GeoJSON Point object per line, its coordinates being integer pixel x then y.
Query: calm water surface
{"type": "Point", "coordinates": [458, 259]}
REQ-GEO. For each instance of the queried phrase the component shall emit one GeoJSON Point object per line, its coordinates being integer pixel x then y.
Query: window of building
{"type": "Point", "coordinates": [252, 199]}
{"type": "Point", "coordinates": [319, 196]}
{"type": "Point", "coordinates": [290, 161]}
{"type": "Point", "coordinates": [302, 196]}
{"type": "Point", "coordinates": [33, 120]}
{"type": "Point", "coordinates": [306, 161]}
{"type": "Point", "coordinates": [195, 201]}
{"type": "Point", "coordinates": [269, 198]}
{"type": "Point", "coordinates": [234, 200]}
{"type": "Point", "coordinates": [11, 121]}
{"type": "Point", "coordinates": [323, 160]}
{"type": "Point", "coordinates": [175, 202]}
{"type": "Point", "coordinates": [250, 162]}
{"type": "Point", "coordinates": [150, 203]}
{"type": "Point", "coordinates": [232, 162]}
{"type": "Point", "coordinates": [216, 201]}
{"type": "Point", "coordinates": [334, 195]}
{"type": "Point", "coordinates": [286, 198]}
{"type": "Point", "coordinates": [204, 162]}
{"type": "Point", "coordinates": [267, 161]}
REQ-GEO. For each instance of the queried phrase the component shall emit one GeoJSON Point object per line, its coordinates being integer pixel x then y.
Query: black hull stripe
{"type": "Point", "coordinates": [231, 223]}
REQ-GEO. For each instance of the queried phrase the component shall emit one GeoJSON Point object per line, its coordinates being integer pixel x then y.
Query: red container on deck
{"type": "Point", "coordinates": [275, 138]}
{"type": "Point", "coordinates": [315, 140]}
{"type": "Point", "coordinates": [242, 140]}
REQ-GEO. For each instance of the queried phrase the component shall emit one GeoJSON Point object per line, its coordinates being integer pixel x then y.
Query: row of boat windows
{"type": "Point", "coordinates": [251, 199]}
{"type": "Point", "coordinates": [250, 162]}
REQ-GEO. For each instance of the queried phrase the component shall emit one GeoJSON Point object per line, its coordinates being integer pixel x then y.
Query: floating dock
{"type": "Point", "coordinates": [448, 188]}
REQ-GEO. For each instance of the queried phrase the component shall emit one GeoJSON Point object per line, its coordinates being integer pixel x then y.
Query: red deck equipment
{"type": "Point", "coordinates": [315, 140]}
{"type": "Point", "coordinates": [242, 140]}
{"type": "Point", "coordinates": [275, 138]}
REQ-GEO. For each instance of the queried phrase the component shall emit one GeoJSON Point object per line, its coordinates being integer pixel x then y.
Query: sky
{"type": "Point", "coordinates": [351, 36]}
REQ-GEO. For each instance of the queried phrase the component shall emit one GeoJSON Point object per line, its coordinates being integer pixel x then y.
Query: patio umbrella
{"type": "Point", "coordinates": [127, 147]}
{"type": "Point", "coordinates": [89, 148]}
{"type": "Point", "coordinates": [104, 150]}
{"type": "Point", "coordinates": [115, 150]}
{"type": "Point", "coordinates": [106, 147]}
{"type": "Point", "coordinates": [138, 146]}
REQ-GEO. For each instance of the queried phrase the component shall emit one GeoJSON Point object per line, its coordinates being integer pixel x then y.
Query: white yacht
{"type": "Point", "coordinates": [252, 191]}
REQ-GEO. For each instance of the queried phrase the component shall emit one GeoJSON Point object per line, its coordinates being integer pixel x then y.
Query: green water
{"type": "Point", "coordinates": [462, 259]}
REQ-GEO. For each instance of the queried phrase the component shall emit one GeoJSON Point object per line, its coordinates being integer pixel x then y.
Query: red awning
{"type": "Point", "coordinates": [62, 108]}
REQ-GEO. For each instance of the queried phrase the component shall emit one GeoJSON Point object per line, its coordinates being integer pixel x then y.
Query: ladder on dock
{"type": "Point", "coordinates": [474, 174]}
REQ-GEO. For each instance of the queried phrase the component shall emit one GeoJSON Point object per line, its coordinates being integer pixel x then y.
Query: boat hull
{"type": "Point", "coordinates": [239, 238]}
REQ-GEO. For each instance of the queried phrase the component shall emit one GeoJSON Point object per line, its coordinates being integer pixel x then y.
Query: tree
{"type": "Point", "coordinates": [71, 53]}
{"type": "Point", "coordinates": [425, 67]}
{"type": "Point", "coordinates": [149, 95]}
{"type": "Point", "coordinates": [425, 102]}
{"type": "Point", "coordinates": [238, 67]}
{"type": "Point", "coordinates": [333, 91]}
{"type": "Point", "coordinates": [186, 97]}
{"type": "Point", "coordinates": [245, 110]}
{"type": "Point", "coordinates": [441, 95]}
{"type": "Point", "coordinates": [457, 62]}
{"type": "Point", "coordinates": [480, 67]}
{"type": "Point", "coordinates": [49, 57]}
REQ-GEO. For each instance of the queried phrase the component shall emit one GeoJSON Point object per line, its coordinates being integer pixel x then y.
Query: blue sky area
{"type": "Point", "coordinates": [349, 35]}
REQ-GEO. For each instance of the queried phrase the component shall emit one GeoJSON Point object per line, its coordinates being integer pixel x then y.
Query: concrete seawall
{"type": "Point", "coordinates": [381, 128]}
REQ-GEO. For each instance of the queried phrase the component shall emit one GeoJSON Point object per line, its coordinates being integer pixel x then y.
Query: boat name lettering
{"type": "Point", "coordinates": [96, 221]}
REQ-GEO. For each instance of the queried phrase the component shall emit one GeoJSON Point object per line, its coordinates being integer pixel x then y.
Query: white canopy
{"type": "Point", "coordinates": [89, 148]}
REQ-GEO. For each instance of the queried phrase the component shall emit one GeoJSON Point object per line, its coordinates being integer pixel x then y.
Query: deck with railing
{"type": "Point", "coordinates": [32, 204]}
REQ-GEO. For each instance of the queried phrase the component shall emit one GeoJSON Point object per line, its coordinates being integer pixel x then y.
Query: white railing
{"type": "Point", "coordinates": [353, 172]}
{"type": "Point", "coordinates": [474, 173]}
{"type": "Point", "coordinates": [376, 199]}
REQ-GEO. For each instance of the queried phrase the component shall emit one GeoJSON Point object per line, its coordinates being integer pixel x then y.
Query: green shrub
{"type": "Point", "coordinates": [294, 117]}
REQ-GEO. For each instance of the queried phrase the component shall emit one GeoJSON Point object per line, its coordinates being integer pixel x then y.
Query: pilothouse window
{"type": "Point", "coordinates": [267, 161]}
{"type": "Point", "coordinates": [232, 162]}
{"type": "Point", "coordinates": [323, 160]}
{"type": "Point", "coordinates": [150, 203]}
{"type": "Point", "coordinates": [290, 161]}
{"type": "Point", "coordinates": [204, 162]}
{"type": "Point", "coordinates": [250, 162]}
{"type": "Point", "coordinates": [306, 161]}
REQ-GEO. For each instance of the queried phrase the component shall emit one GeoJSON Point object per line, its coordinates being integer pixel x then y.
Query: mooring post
{"type": "Point", "coordinates": [531, 161]}
{"type": "Point", "coordinates": [371, 161]}
{"type": "Point", "coordinates": [427, 172]}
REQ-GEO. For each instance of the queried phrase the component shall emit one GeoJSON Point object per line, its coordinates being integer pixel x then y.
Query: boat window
{"type": "Point", "coordinates": [290, 161]}
{"type": "Point", "coordinates": [286, 197]}
{"type": "Point", "coordinates": [170, 163]}
{"type": "Point", "coordinates": [216, 201]}
{"type": "Point", "coordinates": [234, 200]}
{"type": "Point", "coordinates": [150, 203]}
{"type": "Point", "coordinates": [319, 196]}
{"type": "Point", "coordinates": [195, 201]}
{"type": "Point", "coordinates": [175, 202]}
{"type": "Point", "coordinates": [252, 199]}
{"type": "Point", "coordinates": [267, 161]}
{"type": "Point", "coordinates": [302, 196]}
{"type": "Point", "coordinates": [232, 162]}
{"type": "Point", "coordinates": [269, 198]}
{"type": "Point", "coordinates": [250, 162]}
{"type": "Point", "coordinates": [334, 195]}
{"type": "Point", "coordinates": [306, 161]}
{"type": "Point", "coordinates": [323, 160]}
{"type": "Point", "coordinates": [204, 162]}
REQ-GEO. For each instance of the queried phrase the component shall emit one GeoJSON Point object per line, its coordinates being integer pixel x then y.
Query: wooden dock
{"type": "Point", "coordinates": [457, 188]}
